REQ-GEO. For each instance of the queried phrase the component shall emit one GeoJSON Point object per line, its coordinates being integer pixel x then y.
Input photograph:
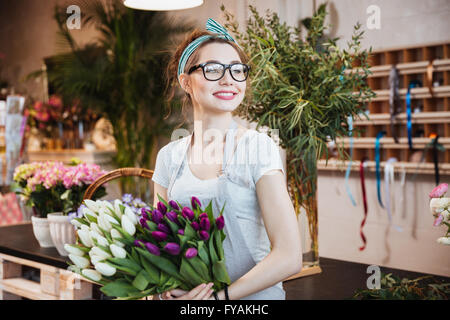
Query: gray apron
{"type": "Point", "coordinates": [238, 258]}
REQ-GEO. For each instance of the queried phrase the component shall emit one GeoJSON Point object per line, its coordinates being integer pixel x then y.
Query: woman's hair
{"type": "Point", "coordinates": [172, 68]}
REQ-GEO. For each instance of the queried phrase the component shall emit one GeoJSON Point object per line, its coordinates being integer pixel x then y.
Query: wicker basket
{"type": "Point", "coordinates": [118, 173]}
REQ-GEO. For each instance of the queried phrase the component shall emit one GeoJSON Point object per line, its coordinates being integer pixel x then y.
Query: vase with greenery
{"type": "Point", "coordinates": [120, 76]}
{"type": "Point", "coordinates": [304, 87]}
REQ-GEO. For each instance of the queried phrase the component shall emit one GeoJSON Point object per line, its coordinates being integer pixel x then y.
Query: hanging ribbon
{"type": "Point", "coordinates": [408, 117]}
{"type": "Point", "coordinates": [434, 144]}
{"type": "Point", "coordinates": [412, 84]}
{"type": "Point", "coordinates": [393, 98]}
{"type": "Point", "coordinates": [349, 167]}
{"type": "Point", "coordinates": [363, 188]}
{"type": "Point", "coordinates": [389, 179]}
{"type": "Point", "coordinates": [377, 164]}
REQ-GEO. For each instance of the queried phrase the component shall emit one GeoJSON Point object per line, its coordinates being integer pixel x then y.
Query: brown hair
{"type": "Point", "coordinates": [172, 68]}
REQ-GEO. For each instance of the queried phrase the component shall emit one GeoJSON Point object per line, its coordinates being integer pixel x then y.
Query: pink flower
{"type": "Point", "coordinates": [438, 220]}
{"type": "Point", "coordinates": [55, 101]}
{"type": "Point", "coordinates": [439, 191]}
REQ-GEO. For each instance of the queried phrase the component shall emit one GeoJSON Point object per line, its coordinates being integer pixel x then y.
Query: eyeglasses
{"type": "Point", "coordinates": [214, 71]}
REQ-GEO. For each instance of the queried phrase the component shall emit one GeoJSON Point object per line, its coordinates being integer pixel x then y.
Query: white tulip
{"type": "Point", "coordinates": [105, 269]}
{"type": "Point", "coordinates": [80, 262]}
{"type": "Point", "coordinates": [102, 241]}
{"type": "Point", "coordinates": [104, 223]}
{"type": "Point", "coordinates": [131, 215]}
{"type": "Point", "coordinates": [444, 240]}
{"type": "Point", "coordinates": [110, 218]}
{"type": "Point", "coordinates": [128, 226]}
{"type": "Point", "coordinates": [85, 228]}
{"type": "Point", "coordinates": [76, 223]}
{"type": "Point", "coordinates": [85, 238]}
{"type": "Point", "coordinates": [117, 210]}
{"type": "Point", "coordinates": [91, 274]}
{"type": "Point", "coordinates": [120, 244]}
{"type": "Point", "coordinates": [95, 227]}
{"type": "Point", "coordinates": [115, 234]}
{"type": "Point", "coordinates": [88, 212]}
{"type": "Point", "coordinates": [92, 205]}
{"type": "Point", "coordinates": [437, 205]}
{"type": "Point", "coordinates": [99, 252]}
{"type": "Point", "coordinates": [446, 215]}
{"type": "Point", "coordinates": [117, 251]}
{"type": "Point", "coordinates": [108, 205]}
{"type": "Point", "coordinates": [96, 259]}
{"type": "Point", "coordinates": [73, 250]}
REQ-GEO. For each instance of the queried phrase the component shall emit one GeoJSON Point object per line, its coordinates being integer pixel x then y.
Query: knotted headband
{"type": "Point", "coordinates": [212, 26]}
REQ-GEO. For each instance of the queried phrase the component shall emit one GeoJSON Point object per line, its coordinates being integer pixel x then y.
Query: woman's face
{"type": "Point", "coordinates": [214, 96]}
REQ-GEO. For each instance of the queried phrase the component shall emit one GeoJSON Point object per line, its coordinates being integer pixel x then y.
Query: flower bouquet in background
{"type": "Point", "coordinates": [440, 209]}
{"type": "Point", "coordinates": [135, 255]}
{"type": "Point", "coordinates": [54, 187]}
{"type": "Point", "coordinates": [55, 191]}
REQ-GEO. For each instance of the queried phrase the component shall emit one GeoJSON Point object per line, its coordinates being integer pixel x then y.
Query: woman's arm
{"type": "Point", "coordinates": [279, 217]}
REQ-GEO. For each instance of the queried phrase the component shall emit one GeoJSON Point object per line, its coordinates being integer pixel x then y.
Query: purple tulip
{"type": "Point", "coordinates": [195, 202]}
{"type": "Point", "coordinates": [162, 227]}
{"type": "Point", "coordinates": [161, 207]}
{"type": "Point", "coordinates": [157, 216]}
{"type": "Point", "coordinates": [187, 213]}
{"type": "Point", "coordinates": [203, 215]}
{"type": "Point", "coordinates": [191, 253]}
{"type": "Point", "coordinates": [195, 226]}
{"type": "Point", "coordinates": [152, 249]}
{"type": "Point", "coordinates": [159, 236]}
{"type": "Point", "coordinates": [172, 248]}
{"type": "Point", "coordinates": [205, 224]}
{"type": "Point", "coordinates": [181, 231]}
{"type": "Point", "coordinates": [172, 216]}
{"type": "Point", "coordinates": [139, 243]}
{"type": "Point", "coordinates": [174, 205]}
{"type": "Point", "coordinates": [143, 223]}
{"type": "Point", "coordinates": [204, 235]}
{"type": "Point", "coordinates": [220, 222]}
{"type": "Point", "coordinates": [144, 213]}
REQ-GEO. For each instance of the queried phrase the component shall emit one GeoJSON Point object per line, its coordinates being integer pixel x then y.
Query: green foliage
{"type": "Point", "coordinates": [300, 86]}
{"type": "Point", "coordinates": [394, 288]}
{"type": "Point", "coordinates": [120, 74]}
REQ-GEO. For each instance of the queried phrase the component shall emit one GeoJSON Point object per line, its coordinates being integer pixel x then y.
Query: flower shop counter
{"type": "Point", "coordinates": [20, 255]}
{"type": "Point", "coordinates": [30, 271]}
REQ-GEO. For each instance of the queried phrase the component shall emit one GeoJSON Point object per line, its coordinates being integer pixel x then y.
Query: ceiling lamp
{"type": "Point", "coordinates": [162, 5]}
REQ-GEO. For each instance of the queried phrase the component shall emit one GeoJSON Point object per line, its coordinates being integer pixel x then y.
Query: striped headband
{"type": "Point", "coordinates": [212, 26]}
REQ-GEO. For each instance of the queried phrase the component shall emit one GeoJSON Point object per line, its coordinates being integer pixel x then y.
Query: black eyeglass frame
{"type": "Point", "coordinates": [225, 67]}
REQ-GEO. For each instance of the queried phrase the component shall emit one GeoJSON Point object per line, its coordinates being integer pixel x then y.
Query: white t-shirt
{"type": "Point", "coordinates": [256, 154]}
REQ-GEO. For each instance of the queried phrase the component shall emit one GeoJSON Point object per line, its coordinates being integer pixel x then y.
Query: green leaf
{"type": "Point", "coordinates": [126, 265]}
{"type": "Point", "coordinates": [162, 263]}
{"type": "Point", "coordinates": [203, 253]}
{"type": "Point", "coordinates": [152, 271]}
{"type": "Point", "coordinates": [200, 268]}
{"type": "Point", "coordinates": [189, 273]}
{"type": "Point", "coordinates": [119, 288]}
{"type": "Point", "coordinates": [218, 242]}
{"type": "Point", "coordinates": [220, 272]}
{"type": "Point", "coordinates": [141, 281]}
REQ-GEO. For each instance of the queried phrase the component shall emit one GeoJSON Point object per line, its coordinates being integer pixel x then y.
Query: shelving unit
{"type": "Point", "coordinates": [430, 107]}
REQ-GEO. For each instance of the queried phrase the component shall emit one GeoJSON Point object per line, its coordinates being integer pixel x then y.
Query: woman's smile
{"type": "Point", "coordinates": [225, 95]}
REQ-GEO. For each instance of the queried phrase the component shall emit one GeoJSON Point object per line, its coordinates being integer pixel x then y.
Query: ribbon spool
{"type": "Point", "coordinates": [412, 84]}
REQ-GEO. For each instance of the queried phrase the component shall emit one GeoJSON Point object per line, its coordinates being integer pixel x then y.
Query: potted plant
{"type": "Point", "coordinates": [54, 190]}
{"type": "Point", "coordinates": [304, 87]}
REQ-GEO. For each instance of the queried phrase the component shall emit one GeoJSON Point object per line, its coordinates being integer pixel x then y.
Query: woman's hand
{"type": "Point", "coordinates": [201, 292]}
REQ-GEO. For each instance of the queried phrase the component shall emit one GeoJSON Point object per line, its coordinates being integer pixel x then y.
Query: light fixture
{"type": "Point", "coordinates": [162, 5]}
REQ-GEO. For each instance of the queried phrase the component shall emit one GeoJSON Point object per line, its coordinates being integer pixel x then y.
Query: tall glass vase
{"type": "Point", "coordinates": [302, 187]}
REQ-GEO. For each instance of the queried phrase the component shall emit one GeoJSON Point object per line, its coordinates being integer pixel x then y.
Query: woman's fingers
{"type": "Point", "coordinates": [178, 292]}
{"type": "Point", "coordinates": [205, 293]}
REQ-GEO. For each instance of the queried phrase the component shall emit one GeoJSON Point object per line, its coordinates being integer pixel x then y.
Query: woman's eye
{"type": "Point", "coordinates": [213, 69]}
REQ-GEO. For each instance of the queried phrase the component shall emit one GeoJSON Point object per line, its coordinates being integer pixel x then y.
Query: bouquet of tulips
{"type": "Point", "coordinates": [440, 209]}
{"type": "Point", "coordinates": [135, 255]}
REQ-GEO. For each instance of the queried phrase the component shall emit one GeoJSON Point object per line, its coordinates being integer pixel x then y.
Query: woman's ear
{"type": "Point", "coordinates": [185, 83]}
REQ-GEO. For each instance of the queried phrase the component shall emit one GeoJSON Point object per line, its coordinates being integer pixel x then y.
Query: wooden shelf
{"type": "Point", "coordinates": [400, 118]}
{"type": "Point", "coordinates": [408, 167]}
{"type": "Point", "coordinates": [389, 143]}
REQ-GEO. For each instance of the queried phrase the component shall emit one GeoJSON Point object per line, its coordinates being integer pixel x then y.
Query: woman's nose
{"type": "Point", "coordinates": [226, 79]}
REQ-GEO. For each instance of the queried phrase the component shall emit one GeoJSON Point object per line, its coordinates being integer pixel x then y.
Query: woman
{"type": "Point", "coordinates": [244, 171]}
